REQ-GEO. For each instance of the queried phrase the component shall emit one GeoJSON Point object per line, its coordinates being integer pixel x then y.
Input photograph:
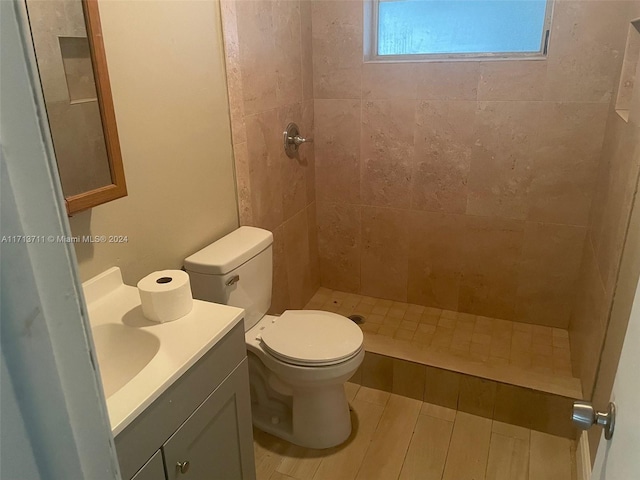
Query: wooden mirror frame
{"type": "Point", "coordinates": [118, 187]}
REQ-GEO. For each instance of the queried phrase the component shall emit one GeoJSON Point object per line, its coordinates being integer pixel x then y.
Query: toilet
{"type": "Point", "coordinates": [298, 361]}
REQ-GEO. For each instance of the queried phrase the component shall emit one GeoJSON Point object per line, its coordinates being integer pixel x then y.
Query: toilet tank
{"type": "Point", "coordinates": [235, 270]}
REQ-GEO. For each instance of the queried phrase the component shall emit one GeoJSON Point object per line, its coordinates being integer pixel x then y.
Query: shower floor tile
{"type": "Point", "coordinates": [528, 355]}
{"type": "Point", "coordinates": [395, 437]}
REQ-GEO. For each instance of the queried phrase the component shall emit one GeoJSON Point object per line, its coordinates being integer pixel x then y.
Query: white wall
{"type": "Point", "coordinates": [166, 67]}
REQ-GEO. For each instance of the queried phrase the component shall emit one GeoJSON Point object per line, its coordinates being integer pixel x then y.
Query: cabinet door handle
{"type": "Point", "coordinates": [183, 467]}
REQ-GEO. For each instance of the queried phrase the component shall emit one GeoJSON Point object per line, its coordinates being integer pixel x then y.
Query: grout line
{"type": "Point", "coordinates": [444, 467]}
{"type": "Point", "coordinates": [370, 441]}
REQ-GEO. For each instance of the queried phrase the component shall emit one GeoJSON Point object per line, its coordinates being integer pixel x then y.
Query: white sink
{"type": "Point", "coordinates": [122, 353]}
{"type": "Point", "coordinates": [139, 359]}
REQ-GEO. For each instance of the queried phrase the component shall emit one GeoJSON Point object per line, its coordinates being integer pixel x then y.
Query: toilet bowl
{"type": "Point", "coordinates": [311, 408]}
{"type": "Point", "coordinates": [299, 361]}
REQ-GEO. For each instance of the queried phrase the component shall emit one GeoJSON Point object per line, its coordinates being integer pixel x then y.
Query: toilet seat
{"type": "Point", "coordinates": [312, 338]}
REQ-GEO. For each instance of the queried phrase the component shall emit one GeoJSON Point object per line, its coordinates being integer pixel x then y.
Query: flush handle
{"type": "Point", "coordinates": [585, 416]}
{"type": "Point", "coordinates": [233, 280]}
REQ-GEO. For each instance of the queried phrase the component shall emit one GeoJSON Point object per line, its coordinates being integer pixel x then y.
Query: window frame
{"type": "Point", "coordinates": [371, 43]}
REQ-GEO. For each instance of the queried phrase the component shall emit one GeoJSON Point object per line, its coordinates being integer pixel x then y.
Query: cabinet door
{"type": "Point", "coordinates": [152, 470]}
{"type": "Point", "coordinates": [217, 439]}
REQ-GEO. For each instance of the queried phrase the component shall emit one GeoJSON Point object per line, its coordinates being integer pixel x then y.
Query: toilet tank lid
{"type": "Point", "coordinates": [229, 252]}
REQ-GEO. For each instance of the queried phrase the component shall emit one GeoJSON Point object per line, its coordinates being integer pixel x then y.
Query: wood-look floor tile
{"type": "Point", "coordinates": [443, 413]}
{"type": "Point", "coordinates": [372, 395]}
{"type": "Point", "coordinates": [280, 476]}
{"type": "Point", "coordinates": [267, 450]}
{"type": "Point", "coordinates": [344, 461]}
{"type": "Point", "coordinates": [550, 457]}
{"type": "Point", "coordinates": [299, 462]}
{"type": "Point", "coordinates": [508, 458]}
{"type": "Point", "coordinates": [513, 431]}
{"type": "Point", "coordinates": [428, 449]}
{"type": "Point", "coordinates": [469, 448]}
{"type": "Point", "coordinates": [390, 442]}
{"type": "Point", "coordinates": [351, 390]}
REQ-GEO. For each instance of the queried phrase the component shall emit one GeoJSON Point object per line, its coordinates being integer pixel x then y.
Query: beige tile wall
{"type": "Point", "coordinates": [462, 185]}
{"type": "Point", "coordinates": [270, 83]}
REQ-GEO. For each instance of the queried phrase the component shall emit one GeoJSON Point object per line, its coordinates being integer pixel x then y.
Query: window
{"type": "Point", "coordinates": [459, 28]}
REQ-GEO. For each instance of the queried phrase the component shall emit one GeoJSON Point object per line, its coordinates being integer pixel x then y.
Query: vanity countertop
{"type": "Point", "coordinates": [139, 359]}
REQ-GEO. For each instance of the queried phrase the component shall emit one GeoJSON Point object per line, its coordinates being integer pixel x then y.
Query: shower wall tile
{"type": "Point", "coordinates": [588, 321]}
{"type": "Point", "coordinates": [307, 154]}
{"type": "Point", "coordinates": [339, 246]}
{"type": "Point", "coordinates": [265, 156]}
{"type": "Point", "coordinates": [298, 260]}
{"type": "Point", "coordinates": [288, 64]}
{"type": "Point", "coordinates": [548, 273]}
{"type": "Point", "coordinates": [383, 81]}
{"type": "Point", "coordinates": [566, 162]}
{"type": "Point", "coordinates": [502, 158]}
{"type": "Point", "coordinates": [314, 260]}
{"type": "Point", "coordinates": [436, 249]}
{"type": "Point", "coordinates": [268, 90]}
{"type": "Point", "coordinates": [385, 251]}
{"type": "Point", "coordinates": [448, 80]}
{"type": "Point", "coordinates": [585, 50]}
{"type": "Point", "coordinates": [243, 181]}
{"type": "Point", "coordinates": [444, 136]}
{"type": "Point", "coordinates": [257, 53]}
{"type": "Point", "coordinates": [234, 74]}
{"type": "Point", "coordinates": [616, 188]}
{"type": "Point", "coordinates": [512, 80]}
{"type": "Point", "coordinates": [307, 48]}
{"type": "Point", "coordinates": [337, 49]}
{"type": "Point", "coordinates": [491, 164]}
{"type": "Point", "coordinates": [536, 160]}
{"type": "Point", "coordinates": [280, 299]}
{"type": "Point", "coordinates": [337, 148]}
{"type": "Point", "coordinates": [387, 152]}
{"type": "Point", "coordinates": [293, 171]}
{"type": "Point", "coordinates": [489, 274]}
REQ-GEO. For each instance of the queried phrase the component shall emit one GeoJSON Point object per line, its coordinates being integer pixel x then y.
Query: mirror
{"type": "Point", "coordinates": [67, 39]}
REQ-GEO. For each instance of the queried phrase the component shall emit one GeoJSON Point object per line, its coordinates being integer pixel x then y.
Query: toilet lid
{"type": "Point", "coordinates": [312, 337]}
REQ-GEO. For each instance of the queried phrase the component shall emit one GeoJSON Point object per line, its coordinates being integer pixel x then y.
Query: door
{"type": "Point", "coordinates": [618, 458]}
{"type": "Point", "coordinates": [216, 441]}
{"type": "Point", "coordinates": [54, 421]}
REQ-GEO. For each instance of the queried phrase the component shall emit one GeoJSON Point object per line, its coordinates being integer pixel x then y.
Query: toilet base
{"type": "Point", "coordinates": [310, 416]}
{"type": "Point", "coordinates": [319, 418]}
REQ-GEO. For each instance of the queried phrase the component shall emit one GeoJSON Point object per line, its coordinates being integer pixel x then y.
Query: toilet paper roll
{"type": "Point", "coordinates": [165, 295]}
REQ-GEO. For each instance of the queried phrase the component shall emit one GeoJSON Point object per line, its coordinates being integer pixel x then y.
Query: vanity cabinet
{"type": "Point", "coordinates": [152, 470]}
{"type": "Point", "coordinates": [200, 427]}
{"type": "Point", "coordinates": [210, 443]}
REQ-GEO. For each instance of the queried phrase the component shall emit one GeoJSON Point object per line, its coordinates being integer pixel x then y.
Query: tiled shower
{"type": "Point", "coordinates": [492, 195]}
